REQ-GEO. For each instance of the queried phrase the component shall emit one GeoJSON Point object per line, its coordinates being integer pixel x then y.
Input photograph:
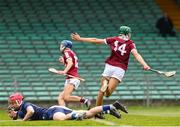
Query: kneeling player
{"type": "Point", "coordinates": [28, 111]}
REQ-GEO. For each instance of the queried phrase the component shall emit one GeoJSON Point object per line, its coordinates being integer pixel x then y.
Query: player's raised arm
{"type": "Point", "coordinates": [77, 37]}
{"type": "Point", "coordinates": [29, 114]}
{"type": "Point", "coordinates": [140, 59]}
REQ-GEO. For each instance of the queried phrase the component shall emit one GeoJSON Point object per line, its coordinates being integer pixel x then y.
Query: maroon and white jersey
{"type": "Point", "coordinates": [74, 69]}
{"type": "Point", "coordinates": [120, 51]}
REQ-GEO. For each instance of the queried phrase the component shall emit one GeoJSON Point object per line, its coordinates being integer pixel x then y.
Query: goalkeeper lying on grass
{"type": "Point", "coordinates": [18, 108]}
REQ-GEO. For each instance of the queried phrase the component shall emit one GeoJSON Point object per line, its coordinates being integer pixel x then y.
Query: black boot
{"type": "Point", "coordinates": [99, 116]}
{"type": "Point", "coordinates": [120, 106]}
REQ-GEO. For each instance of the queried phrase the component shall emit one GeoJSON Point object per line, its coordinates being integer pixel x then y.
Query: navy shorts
{"type": "Point", "coordinates": [54, 109]}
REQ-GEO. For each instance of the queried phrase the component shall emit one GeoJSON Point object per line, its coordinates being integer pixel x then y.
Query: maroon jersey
{"type": "Point", "coordinates": [74, 69]}
{"type": "Point", "coordinates": [120, 51]}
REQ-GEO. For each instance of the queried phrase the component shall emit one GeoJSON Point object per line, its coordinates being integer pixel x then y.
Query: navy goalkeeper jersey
{"type": "Point", "coordinates": [38, 111]}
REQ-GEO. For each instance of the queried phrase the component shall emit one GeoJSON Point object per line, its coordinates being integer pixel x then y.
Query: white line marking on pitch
{"type": "Point", "coordinates": [105, 122]}
{"type": "Point", "coordinates": [97, 120]}
{"type": "Point", "coordinates": [96, 126]}
{"type": "Point", "coordinates": [8, 120]}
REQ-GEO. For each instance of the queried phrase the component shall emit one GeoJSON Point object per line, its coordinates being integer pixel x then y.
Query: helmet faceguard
{"type": "Point", "coordinates": [12, 113]}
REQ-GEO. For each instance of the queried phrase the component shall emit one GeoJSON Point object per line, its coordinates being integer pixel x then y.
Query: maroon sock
{"type": "Point", "coordinates": [82, 100]}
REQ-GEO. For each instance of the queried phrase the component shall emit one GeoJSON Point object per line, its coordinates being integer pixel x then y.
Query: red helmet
{"type": "Point", "coordinates": [16, 97]}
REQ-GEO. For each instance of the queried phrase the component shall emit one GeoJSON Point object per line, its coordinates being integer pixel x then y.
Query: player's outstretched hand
{"type": "Point", "coordinates": [146, 67]}
{"type": "Point", "coordinates": [75, 36]}
{"type": "Point", "coordinates": [12, 114]}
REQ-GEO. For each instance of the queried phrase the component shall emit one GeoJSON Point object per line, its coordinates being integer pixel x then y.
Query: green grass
{"type": "Point", "coordinates": [153, 116]}
{"type": "Point", "coordinates": [138, 116]}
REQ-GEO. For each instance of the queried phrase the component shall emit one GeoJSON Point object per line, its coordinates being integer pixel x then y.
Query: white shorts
{"type": "Point", "coordinates": [74, 81]}
{"type": "Point", "coordinates": [113, 71]}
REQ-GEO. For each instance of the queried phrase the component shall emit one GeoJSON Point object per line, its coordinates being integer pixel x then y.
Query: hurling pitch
{"type": "Point", "coordinates": [138, 116]}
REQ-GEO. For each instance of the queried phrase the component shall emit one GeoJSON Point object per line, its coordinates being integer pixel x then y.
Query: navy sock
{"type": "Point", "coordinates": [106, 107]}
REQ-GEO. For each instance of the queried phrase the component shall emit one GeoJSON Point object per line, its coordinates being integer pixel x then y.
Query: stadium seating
{"type": "Point", "coordinates": [30, 31]}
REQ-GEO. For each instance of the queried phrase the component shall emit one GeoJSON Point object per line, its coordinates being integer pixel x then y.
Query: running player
{"type": "Point", "coordinates": [70, 61]}
{"type": "Point", "coordinates": [18, 108]}
{"type": "Point", "coordinates": [115, 65]}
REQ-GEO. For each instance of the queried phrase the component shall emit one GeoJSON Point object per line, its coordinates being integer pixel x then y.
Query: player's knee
{"type": "Point", "coordinates": [61, 119]}
{"type": "Point", "coordinates": [60, 97]}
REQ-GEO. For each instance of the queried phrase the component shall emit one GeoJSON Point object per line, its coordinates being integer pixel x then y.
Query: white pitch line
{"type": "Point", "coordinates": [57, 126]}
{"type": "Point", "coordinates": [105, 122]}
{"type": "Point", "coordinates": [92, 126]}
{"type": "Point", "coordinates": [9, 120]}
{"type": "Point", "coordinates": [97, 120]}
{"type": "Point", "coordinates": [60, 126]}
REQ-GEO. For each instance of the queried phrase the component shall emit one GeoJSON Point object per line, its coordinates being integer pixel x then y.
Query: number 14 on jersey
{"type": "Point", "coordinates": [121, 48]}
